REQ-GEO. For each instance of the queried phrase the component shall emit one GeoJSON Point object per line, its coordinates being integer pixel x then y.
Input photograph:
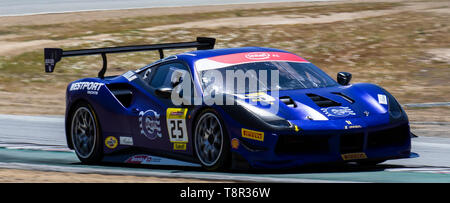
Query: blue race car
{"type": "Point", "coordinates": [245, 107]}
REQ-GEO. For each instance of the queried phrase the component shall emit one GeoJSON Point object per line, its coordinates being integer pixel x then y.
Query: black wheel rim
{"type": "Point", "coordinates": [209, 139]}
{"type": "Point", "coordinates": [84, 132]}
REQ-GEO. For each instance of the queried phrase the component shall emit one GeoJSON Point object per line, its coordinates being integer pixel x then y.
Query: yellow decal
{"type": "Point", "coordinates": [353, 156]}
{"type": "Point", "coordinates": [348, 122]}
{"type": "Point", "coordinates": [234, 143]}
{"type": "Point", "coordinates": [176, 113]}
{"type": "Point", "coordinates": [179, 146]}
{"type": "Point", "coordinates": [111, 142]}
{"type": "Point", "coordinates": [251, 134]}
{"type": "Point", "coordinates": [296, 128]}
{"type": "Point", "coordinates": [176, 124]}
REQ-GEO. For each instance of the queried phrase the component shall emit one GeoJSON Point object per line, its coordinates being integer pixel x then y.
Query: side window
{"type": "Point", "coordinates": [146, 75]}
{"type": "Point", "coordinates": [163, 75]}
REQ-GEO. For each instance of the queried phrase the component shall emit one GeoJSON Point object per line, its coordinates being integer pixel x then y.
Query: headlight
{"type": "Point", "coordinates": [266, 116]}
{"type": "Point", "coordinates": [281, 122]}
{"type": "Point", "coordinates": [396, 112]}
{"type": "Point", "coordinates": [256, 118]}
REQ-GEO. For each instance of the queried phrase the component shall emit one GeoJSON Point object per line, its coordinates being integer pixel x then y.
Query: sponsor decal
{"type": "Point", "coordinates": [366, 113]}
{"type": "Point", "coordinates": [257, 55]}
{"type": "Point", "coordinates": [142, 159]}
{"type": "Point", "coordinates": [130, 76]}
{"type": "Point", "coordinates": [296, 128]}
{"type": "Point", "coordinates": [217, 62]}
{"type": "Point", "coordinates": [156, 160]}
{"type": "Point", "coordinates": [176, 124]}
{"type": "Point", "coordinates": [382, 99]}
{"type": "Point", "coordinates": [352, 126]}
{"type": "Point", "coordinates": [179, 146]}
{"type": "Point", "coordinates": [126, 140]}
{"type": "Point", "coordinates": [258, 97]}
{"type": "Point", "coordinates": [90, 87]}
{"type": "Point", "coordinates": [111, 142]}
{"type": "Point", "coordinates": [353, 156]}
{"type": "Point", "coordinates": [150, 124]}
{"type": "Point", "coordinates": [50, 61]}
{"type": "Point", "coordinates": [340, 111]}
{"type": "Point", "coordinates": [176, 114]}
{"type": "Point", "coordinates": [251, 134]}
{"type": "Point", "coordinates": [235, 143]}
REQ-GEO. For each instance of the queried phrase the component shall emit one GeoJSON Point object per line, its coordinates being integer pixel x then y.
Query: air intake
{"type": "Point", "coordinates": [122, 92]}
{"type": "Point", "coordinates": [288, 101]}
{"type": "Point", "coordinates": [322, 101]}
{"type": "Point", "coordinates": [347, 98]}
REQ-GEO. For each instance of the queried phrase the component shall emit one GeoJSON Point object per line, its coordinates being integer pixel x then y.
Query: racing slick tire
{"type": "Point", "coordinates": [211, 142]}
{"type": "Point", "coordinates": [85, 134]}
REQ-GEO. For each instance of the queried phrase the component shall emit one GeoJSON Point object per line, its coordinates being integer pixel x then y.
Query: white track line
{"type": "Point", "coordinates": [432, 145]}
{"type": "Point", "coordinates": [422, 170]}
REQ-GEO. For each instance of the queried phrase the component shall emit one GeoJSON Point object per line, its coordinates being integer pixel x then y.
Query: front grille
{"type": "Point", "coordinates": [322, 101]}
{"type": "Point", "coordinates": [390, 137]}
{"type": "Point", "coordinates": [301, 144]}
{"type": "Point", "coordinates": [351, 142]}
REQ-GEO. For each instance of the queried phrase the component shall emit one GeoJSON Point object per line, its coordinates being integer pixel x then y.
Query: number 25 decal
{"type": "Point", "coordinates": [176, 129]}
{"type": "Point", "coordinates": [176, 124]}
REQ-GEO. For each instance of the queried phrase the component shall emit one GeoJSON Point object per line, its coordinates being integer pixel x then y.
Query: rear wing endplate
{"type": "Point", "coordinates": [54, 55]}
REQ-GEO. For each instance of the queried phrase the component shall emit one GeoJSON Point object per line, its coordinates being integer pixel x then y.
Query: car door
{"type": "Point", "coordinates": [160, 125]}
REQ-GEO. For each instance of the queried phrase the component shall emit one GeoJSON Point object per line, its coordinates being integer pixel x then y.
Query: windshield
{"type": "Point", "coordinates": [265, 76]}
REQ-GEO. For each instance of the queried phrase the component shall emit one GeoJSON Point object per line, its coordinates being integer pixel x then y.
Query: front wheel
{"type": "Point", "coordinates": [85, 134]}
{"type": "Point", "coordinates": [210, 141]}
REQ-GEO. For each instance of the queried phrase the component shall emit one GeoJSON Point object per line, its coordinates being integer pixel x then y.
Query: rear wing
{"type": "Point", "coordinates": [54, 55]}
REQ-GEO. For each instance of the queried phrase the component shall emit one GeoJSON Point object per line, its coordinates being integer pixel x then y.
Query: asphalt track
{"type": "Point", "coordinates": [38, 143]}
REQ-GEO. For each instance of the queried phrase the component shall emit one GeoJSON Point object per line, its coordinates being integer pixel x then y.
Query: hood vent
{"type": "Point", "coordinates": [347, 98]}
{"type": "Point", "coordinates": [288, 101]}
{"type": "Point", "coordinates": [322, 101]}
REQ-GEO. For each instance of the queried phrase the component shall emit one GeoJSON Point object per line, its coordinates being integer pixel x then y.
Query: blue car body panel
{"type": "Point", "coordinates": [316, 135]}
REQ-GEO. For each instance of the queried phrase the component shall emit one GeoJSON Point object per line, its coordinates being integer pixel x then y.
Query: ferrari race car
{"type": "Point", "coordinates": [248, 107]}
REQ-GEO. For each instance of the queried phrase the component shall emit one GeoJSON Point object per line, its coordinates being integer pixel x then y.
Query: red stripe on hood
{"type": "Point", "coordinates": [257, 56]}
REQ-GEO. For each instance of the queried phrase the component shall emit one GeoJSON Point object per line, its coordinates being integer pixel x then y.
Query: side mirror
{"type": "Point", "coordinates": [344, 78]}
{"type": "Point", "coordinates": [164, 92]}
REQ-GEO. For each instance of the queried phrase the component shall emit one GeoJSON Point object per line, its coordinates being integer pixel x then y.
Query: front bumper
{"type": "Point", "coordinates": [293, 149]}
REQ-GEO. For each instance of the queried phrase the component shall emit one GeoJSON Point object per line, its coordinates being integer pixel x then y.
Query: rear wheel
{"type": "Point", "coordinates": [85, 134]}
{"type": "Point", "coordinates": [210, 141]}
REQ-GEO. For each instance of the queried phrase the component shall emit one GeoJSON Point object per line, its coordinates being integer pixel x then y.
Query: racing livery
{"type": "Point", "coordinates": [297, 116]}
